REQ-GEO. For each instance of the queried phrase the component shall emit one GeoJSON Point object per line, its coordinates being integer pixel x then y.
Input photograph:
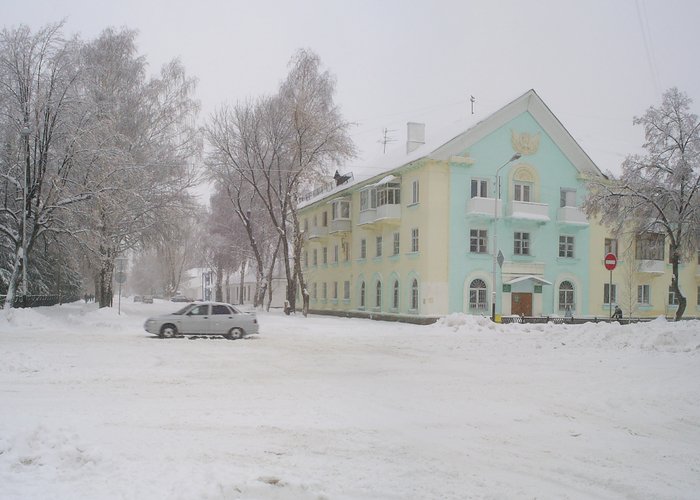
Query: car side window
{"type": "Point", "coordinates": [220, 309]}
{"type": "Point", "coordinates": [199, 311]}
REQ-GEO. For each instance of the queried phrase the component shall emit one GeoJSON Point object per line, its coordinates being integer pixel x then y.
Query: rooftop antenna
{"type": "Point", "coordinates": [472, 100]}
{"type": "Point", "coordinates": [386, 137]}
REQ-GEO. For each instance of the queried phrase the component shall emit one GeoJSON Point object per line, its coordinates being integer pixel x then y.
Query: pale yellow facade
{"type": "Point", "coordinates": [397, 250]}
{"type": "Point", "coordinates": [640, 286]}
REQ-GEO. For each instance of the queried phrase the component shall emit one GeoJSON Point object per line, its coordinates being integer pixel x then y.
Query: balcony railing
{"type": "Point", "coordinates": [388, 213]}
{"type": "Point", "coordinates": [651, 266]}
{"type": "Point", "coordinates": [318, 232]}
{"type": "Point", "coordinates": [571, 215]}
{"type": "Point", "coordinates": [529, 210]}
{"type": "Point", "coordinates": [340, 226]}
{"type": "Point", "coordinates": [368, 216]}
{"type": "Point", "coordinates": [482, 206]}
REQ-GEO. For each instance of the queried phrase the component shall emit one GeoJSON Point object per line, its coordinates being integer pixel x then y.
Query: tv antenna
{"type": "Point", "coordinates": [386, 138]}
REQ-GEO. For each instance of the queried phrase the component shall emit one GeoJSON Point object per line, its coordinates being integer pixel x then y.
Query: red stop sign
{"type": "Point", "coordinates": [610, 261]}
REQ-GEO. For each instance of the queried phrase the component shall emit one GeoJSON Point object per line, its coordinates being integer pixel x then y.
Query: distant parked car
{"type": "Point", "coordinates": [179, 298]}
{"type": "Point", "coordinates": [204, 318]}
{"type": "Point", "coordinates": [138, 298]}
{"type": "Point", "coordinates": [148, 299]}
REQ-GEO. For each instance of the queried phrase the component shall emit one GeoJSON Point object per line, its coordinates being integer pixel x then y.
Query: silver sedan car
{"type": "Point", "coordinates": [204, 318]}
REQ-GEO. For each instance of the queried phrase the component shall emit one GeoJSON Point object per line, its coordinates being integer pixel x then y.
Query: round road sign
{"type": "Point", "coordinates": [120, 277]}
{"type": "Point", "coordinates": [610, 261]}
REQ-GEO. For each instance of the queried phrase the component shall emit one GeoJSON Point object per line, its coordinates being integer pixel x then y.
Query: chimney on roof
{"type": "Point", "coordinates": [415, 136]}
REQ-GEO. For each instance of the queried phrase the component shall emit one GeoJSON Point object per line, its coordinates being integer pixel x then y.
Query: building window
{"type": "Point", "coordinates": [314, 290]}
{"type": "Point", "coordinates": [610, 246]}
{"type": "Point", "coordinates": [325, 255]}
{"type": "Point", "coordinates": [340, 210]}
{"type": "Point", "coordinates": [324, 290]}
{"type": "Point", "coordinates": [649, 246]}
{"type": "Point", "coordinates": [608, 297]}
{"type": "Point", "coordinates": [379, 246]}
{"type": "Point", "coordinates": [567, 197]}
{"type": "Point", "coordinates": [363, 248]}
{"type": "Point", "coordinates": [389, 194]}
{"type": "Point", "coordinates": [566, 296]}
{"type": "Point", "coordinates": [346, 251]}
{"type": "Point", "coordinates": [414, 295]}
{"type": "Point", "coordinates": [566, 246]}
{"type": "Point", "coordinates": [477, 295]}
{"type": "Point", "coordinates": [415, 198]}
{"type": "Point", "coordinates": [521, 243]}
{"type": "Point", "coordinates": [698, 296]}
{"type": "Point", "coordinates": [480, 188]}
{"type": "Point", "coordinates": [414, 239]}
{"type": "Point", "coordinates": [335, 289]}
{"type": "Point", "coordinates": [643, 295]}
{"type": "Point", "coordinates": [315, 259]}
{"type": "Point", "coordinates": [324, 219]}
{"type": "Point", "coordinates": [362, 294]}
{"type": "Point", "coordinates": [672, 297]}
{"type": "Point", "coordinates": [346, 290]}
{"type": "Point", "coordinates": [397, 240]}
{"type": "Point", "coordinates": [368, 199]}
{"type": "Point", "coordinates": [477, 240]}
{"type": "Point", "coordinates": [522, 191]}
{"type": "Point", "coordinates": [378, 297]}
{"type": "Point", "coordinates": [395, 295]}
{"type": "Point", "coordinates": [335, 254]}
{"type": "Point", "coordinates": [306, 259]}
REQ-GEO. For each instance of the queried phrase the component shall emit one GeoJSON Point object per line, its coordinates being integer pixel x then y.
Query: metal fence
{"type": "Point", "coordinates": [39, 300]}
{"type": "Point", "coordinates": [570, 321]}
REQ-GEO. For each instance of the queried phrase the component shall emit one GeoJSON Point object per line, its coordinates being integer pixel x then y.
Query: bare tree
{"type": "Point", "coordinates": [659, 191]}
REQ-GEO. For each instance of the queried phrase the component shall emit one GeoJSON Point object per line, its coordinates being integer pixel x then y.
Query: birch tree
{"type": "Point", "coordinates": [660, 190]}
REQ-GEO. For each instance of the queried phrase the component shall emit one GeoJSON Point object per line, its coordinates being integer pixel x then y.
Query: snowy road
{"type": "Point", "coordinates": [329, 408]}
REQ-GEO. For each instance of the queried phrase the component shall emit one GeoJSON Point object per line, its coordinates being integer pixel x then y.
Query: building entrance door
{"type": "Point", "coordinates": [521, 304]}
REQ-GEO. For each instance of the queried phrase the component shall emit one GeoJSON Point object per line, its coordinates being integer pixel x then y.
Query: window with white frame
{"type": "Point", "coordinates": [389, 194]}
{"type": "Point", "coordinates": [566, 296]}
{"type": "Point", "coordinates": [609, 294]}
{"type": "Point", "coordinates": [395, 295]}
{"type": "Point", "coordinates": [378, 296]}
{"type": "Point", "coordinates": [414, 294]}
{"type": "Point", "coordinates": [477, 240]}
{"type": "Point", "coordinates": [340, 210]}
{"type": "Point", "coordinates": [415, 192]}
{"type": "Point", "coordinates": [567, 197]}
{"type": "Point", "coordinates": [368, 199]}
{"type": "Point", "coordinates": [649, 246]}
{"type": "Point", "coordinates": [379, 246]}
{"type": "Point", "coordinates": [479, 188]}
{"type": "Point", "coordinates": [643, 295]}
{"type": "Point", "coordinates": [397, 241]}
{"type": "Point", "coordinates": [363, 248]}
{"type": "Point", "coordinates": [521, 243]}
{"type": "Point", "coordinates": [672, 297]}
{"type": "Point", "coordinates": [522, 191]}
{"type": "Point", "coordinates": [477, 295]}
{"type": "Point", "coordinates": [414, 239]}
{"type": "Point", "coordinates": [566, 246]}
{"type": "Point", "coordinates": [610, 246]}
{"type": "Point", "coordinates": [346, 290]}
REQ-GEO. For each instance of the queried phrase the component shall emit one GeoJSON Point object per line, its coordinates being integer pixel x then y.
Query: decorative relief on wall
{"type": "Point", "coordinates": [524, 142]}
{"type": "Point", "coordinates": [524, 174]}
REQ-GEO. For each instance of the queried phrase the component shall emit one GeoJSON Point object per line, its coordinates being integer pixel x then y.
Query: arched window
{"type": "Point", "coordinates": [477, 295]}
{"type": "Point", "coordinates": [362, 294]}
{"type": "Point", "coordinates": [566, 296]}
{"type": "Point", "coordinates": [395, 300]}
{"type": "Point", "coordinates": [379, 294]}
{"type": "Point", "coordinates": [414, 295]}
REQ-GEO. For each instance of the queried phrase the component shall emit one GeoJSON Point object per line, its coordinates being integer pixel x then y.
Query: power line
{"type": "Point", "coordinates": [646, 38]}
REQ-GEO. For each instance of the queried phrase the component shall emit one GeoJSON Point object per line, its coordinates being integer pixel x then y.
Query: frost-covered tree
{"type": "Point", "coordinates": [278, 145]}
{"type": "Point", "coordinates": [659, 192]}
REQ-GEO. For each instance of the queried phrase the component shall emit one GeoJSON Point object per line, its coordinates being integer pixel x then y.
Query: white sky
{"type": "Point", "coordinates": [596, 63]}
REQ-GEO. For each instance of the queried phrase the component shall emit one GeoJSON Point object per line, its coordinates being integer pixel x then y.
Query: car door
{"type": "Point", "coordinates": [222, 319]}
{"type": "Point", "coordinates": [197, 320]}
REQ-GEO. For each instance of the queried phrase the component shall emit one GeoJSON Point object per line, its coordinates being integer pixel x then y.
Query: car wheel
{"type": "Point", "coordinates": [235, 333]}
{"type": "Point", "coordinates": [168, 331]}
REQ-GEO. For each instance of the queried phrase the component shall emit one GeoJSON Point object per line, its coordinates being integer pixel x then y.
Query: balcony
{"type": "Point", "coordinates": [389, 213]}
{"type": "Point", "coordinates": [482, 206]}
{"type": "Point", "coordinates": [318, 232]}
{"type": "Point", "coordinates": [529, 211]}
{"type": "Point", "coordinates": [340, 226]}
{"type": "Point", "coordinates": [571, 215]}
{"type": "Point", "coordinates": [367, 216]}
{"type": "Point", "coordinates": [651, 266]}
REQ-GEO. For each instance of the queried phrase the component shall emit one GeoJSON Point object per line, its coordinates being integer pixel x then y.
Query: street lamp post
{"type": "Point", "coordinates": [496, 196]}
{"type": "Point", "coordinates": [25, 132]}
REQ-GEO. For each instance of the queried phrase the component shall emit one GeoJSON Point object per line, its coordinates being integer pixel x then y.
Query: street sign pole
{"type": "Point", "coordinates": [610, 296]}
{"type": "Point", "coordinates": [610, 262]}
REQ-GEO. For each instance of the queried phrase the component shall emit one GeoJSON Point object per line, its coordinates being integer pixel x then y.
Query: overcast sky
{"type": "Point", "coordinates": [596, 63]}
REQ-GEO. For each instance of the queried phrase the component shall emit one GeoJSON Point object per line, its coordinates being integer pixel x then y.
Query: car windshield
{"type": "Point", "coordinates": [184, 309]}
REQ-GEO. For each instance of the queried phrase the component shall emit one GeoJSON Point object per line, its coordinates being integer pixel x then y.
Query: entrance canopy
{"type": "Point", "coordinates": [535, 279]}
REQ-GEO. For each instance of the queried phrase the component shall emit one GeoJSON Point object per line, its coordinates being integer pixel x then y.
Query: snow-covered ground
{"type": "Point", "coordinates": [328, 408]}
